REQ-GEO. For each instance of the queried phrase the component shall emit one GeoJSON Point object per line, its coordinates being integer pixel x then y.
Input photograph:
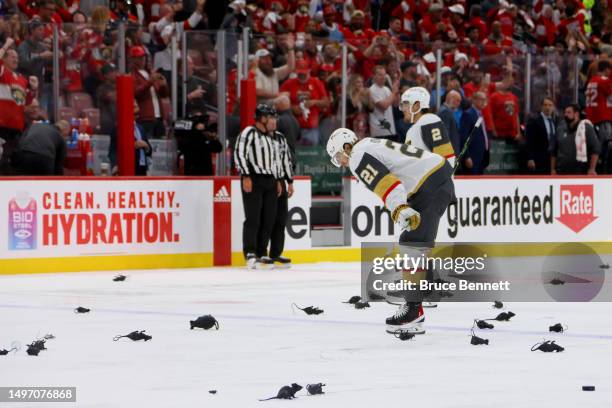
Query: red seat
{"type": "Point", "coordinates": [79, 101]}
{"type": "Point", "coordinates": [93, 115]}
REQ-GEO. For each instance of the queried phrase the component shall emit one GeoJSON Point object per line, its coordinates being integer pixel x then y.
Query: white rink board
{"type": "Point", "coordinates": [144, 216]}
{"type": "Point", "coordinates": [370, 223]}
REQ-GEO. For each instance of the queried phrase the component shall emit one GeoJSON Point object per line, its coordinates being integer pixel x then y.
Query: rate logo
{"type": "Point", "coordinates": [577, 206]}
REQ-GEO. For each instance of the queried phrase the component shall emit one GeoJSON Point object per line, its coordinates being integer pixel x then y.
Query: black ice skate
{"type": "Point", "coordinates": [265, 262]}
{"type": "Point", "coordinates": [280, 262]}
{"type": "Point", "coordinates": [408, 318]}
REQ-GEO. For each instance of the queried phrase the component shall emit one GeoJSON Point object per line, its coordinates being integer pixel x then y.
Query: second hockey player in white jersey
{"type": "Point", "coordinates": [428, 132]}
{"type": "Point", "coordinates": [415, 185]}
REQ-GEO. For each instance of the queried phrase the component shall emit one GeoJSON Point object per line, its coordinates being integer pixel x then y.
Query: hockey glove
{"type": "Point", "coordinates": [407, 218]}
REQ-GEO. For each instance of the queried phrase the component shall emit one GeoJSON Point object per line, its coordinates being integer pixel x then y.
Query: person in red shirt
{"type": "Point", "coordinates": [405, 11]}
{"type": "Point", "coordinates": [599, 95]}
{"type": "Point", "coordinates": [13, 96]}
{"type": "Point", "coordinates": [308, 99]}
{"type": "Point", "coordinates": [478, 22]}
{"type": "Point", "coordinates": [472, 45]}
{"type": "Point", "coordinates": [497, 42]}
{"type": "Point", "coordinates": [507, 17]}
{"type": "Point", "coordinates": [301, 16]}
{"type": "Point", "coordinates": [505, 112]}
{"type": "Point", "coordinates": [355, 33]}
{"type": "Point", "coordinates": [599, 110]}
{"type": "Point", "coordinates": [457, 28]}
{"type": "Point", "coordinates": [545, 29]}
{"type": "Point", "coordinates": [573, 21]}
{"type": "Point", "coordinates": [433, 26]}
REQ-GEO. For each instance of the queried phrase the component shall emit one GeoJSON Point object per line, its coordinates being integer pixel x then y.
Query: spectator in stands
{"type": "Point", "coordinates": [599, 108]}
{"type": "Point", "coordinates": [268, 78]}
{"type": "Point", "coordinates": [476, 157]}
{"type": "Point", "coordinates": [505, 111]}
{"type": "Point", "coordinates": [330, 58]}
{"type": "Point", "coordinates": [308, 99]}
{"type": "Point", "coordinates": [42, 148]}
{"type": "Point", "coordinates": [356, 34]}
{"type": "Point", "coordinates": [433, 25]}
{"type": "Point", "coordinates": [496, 43]}
{"type": "Point", "coordinates": [93, 38]}
{"type": "Point", "coordinates": [460, 67]}
{"type": "Point", "coordinates": [358, 101]}
{"type": "Point", "coordinates": [287, 124]}
{"type": "Point", "coordinates": [409, 74]}
{"type": "Point", "coordinates": [446, 74]}
{"type": "Point", "coordinates": [238, 18]}
{"type": "Point", "coordinates": [330, 25]}
{"type": "Point", "coordinates": [149, 89]}
{"type": "Point", "coordinates": [382, 98]}
{"type": "Point", "coordinates": [575, 148]}
{"type": "Point", "coordinates": [142, 147]}
{"type": "Point", "coordinates": [107, 99]}
{"type": "Point", "coordinates": [477, 22]}
{"type": "Point", "coordinates": [539, 134]}
{"type": "Point", "coordinates": [545, 29]}
{"type": "Point", "coordinates": [35, 56]}
{"type": "Point", "coordinates": [13, 97]}
{"type": "Point", "coordinates": [452, 102]}
{"type": "Point", "coordinates": [197, 89]}
{"type": "Point", "coordinates": [166, 28]}
{"type": "Point", "coordinates": [456, 29]}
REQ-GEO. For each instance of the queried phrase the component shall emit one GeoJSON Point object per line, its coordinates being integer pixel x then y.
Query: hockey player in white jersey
{"type": "Point", "coordinates": [415, 185]}
{"type": "Point", "coordinates": [428, 132]}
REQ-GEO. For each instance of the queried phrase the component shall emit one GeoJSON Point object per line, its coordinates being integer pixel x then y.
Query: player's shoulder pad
{"type": "Point", "coordinates": [429, 118]}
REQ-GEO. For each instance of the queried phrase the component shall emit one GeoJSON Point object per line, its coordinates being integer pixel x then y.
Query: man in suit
{"type": "Point", "coordinates": [142, 147]}
{"type": "Point", "coordinates": [452, 101]}
{"type": "Point", "coordinates": [539, 132]}
{"type": "Point", "coordinates": [476, 157]}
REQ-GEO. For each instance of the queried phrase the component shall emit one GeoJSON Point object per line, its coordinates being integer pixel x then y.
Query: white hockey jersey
{"type": "Point", "coordinates": [429, 133]}
{"type": "Point", "coordinates": [392, 170]}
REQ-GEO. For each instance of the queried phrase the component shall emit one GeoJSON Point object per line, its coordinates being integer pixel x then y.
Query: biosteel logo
{"type": "Point", "coordinates": [577, 206]}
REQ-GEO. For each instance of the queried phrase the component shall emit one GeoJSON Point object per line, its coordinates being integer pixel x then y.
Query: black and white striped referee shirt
{"type": "Point", "coordinates": [256, 153]}
{"type": "Point", "coordinates": [284, 163]}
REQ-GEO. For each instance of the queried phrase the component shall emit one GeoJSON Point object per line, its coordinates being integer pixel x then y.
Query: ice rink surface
{"type": "Point", "coordinates": [262, 344]}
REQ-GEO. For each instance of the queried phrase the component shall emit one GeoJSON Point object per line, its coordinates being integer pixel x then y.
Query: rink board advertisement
{"type": "Point", "coordinates": [500, 210]}
{"type": "Point", "coordinates": [297, 231]}
{"type": "Point", "coordinates": [153, 221]}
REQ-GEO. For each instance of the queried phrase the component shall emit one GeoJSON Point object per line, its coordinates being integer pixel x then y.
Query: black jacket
{"type": "Point", "coordinates": [538, 145]}
{"type": "Point", "coordinates": [46, 140]}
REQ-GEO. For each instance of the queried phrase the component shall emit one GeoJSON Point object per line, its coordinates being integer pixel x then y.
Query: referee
{"type": "Point", "coordinates": [285, 177]}
{"type": "Point", "coordinates": [256, 155]}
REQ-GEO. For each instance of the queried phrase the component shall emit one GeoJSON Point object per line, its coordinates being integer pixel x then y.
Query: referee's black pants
{"type": "Point", "coordinates": [277, 241]}
{"type": "Point", "coordinates": [259, 212]}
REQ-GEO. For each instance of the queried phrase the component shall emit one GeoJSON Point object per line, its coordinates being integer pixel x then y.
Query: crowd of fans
{"type": "Point", "coordinates": [295, 58]}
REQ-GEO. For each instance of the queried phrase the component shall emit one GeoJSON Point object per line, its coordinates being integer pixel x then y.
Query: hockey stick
{"type": "Point", "coordinates": [467, 144]}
